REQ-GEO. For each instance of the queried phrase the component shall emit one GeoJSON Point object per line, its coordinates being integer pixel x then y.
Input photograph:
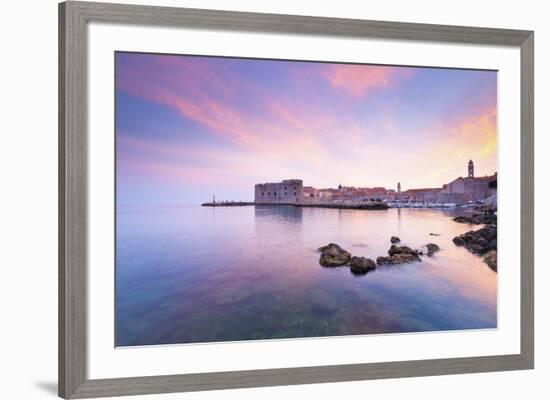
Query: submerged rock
{"type": "Point", "coordinates": [361, 265]}
{"type": "Point", "coordinates": [432, 248]}
{"type": "Point", "coordinates": [395, 239]}
{"type": "Point", "coordinates": [491, 259]}
{"type": "Point", "coordinates": [334, 255]}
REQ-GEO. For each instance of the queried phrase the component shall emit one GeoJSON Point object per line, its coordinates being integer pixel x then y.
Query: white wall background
{"type": "Point", "coordinates": [28, 200]}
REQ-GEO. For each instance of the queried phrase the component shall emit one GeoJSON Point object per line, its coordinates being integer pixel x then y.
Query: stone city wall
{"type": "Point", "coordinates": [288, 191]}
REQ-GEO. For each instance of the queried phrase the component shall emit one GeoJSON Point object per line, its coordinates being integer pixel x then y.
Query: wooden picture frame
{"type": "Point", "coordinates": [73, 203]}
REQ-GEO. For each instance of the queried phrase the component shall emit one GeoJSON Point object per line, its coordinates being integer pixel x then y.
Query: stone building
{"type": "Point", "coordinates": [459, 191]}
{"type": "Point", "coordinates": [309, 194]}
{"type": "Point", "coordinates": [289, 191]}
{"type": "Point", "coordinates": [424, 195]}
{"type": "Point", "coordinates": [326, 194]}
{"type": "Point", "coordinates": [470, 188]}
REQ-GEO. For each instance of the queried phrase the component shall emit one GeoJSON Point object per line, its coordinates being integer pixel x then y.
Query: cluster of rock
{"type": "Point", "coordinates": [483, 215]}
{"type": "Point", "coordinates": [404, 254]}
{"type": "Point", "coordinates": [485, 208]}
{"type": "Point", "coordinates": [332, 255]}
{"type": "Point", "coordinates": [490, 259]}
{"type": "Point", "coordinates": [482, 242]}
{"type": "Point", "coordinates": [399, 255]}
{"type": "Point", "coordinates": [477, 219]}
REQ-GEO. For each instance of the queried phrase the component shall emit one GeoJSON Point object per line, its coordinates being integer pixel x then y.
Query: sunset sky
{"type": "Point", "coordinates": [190, 127]}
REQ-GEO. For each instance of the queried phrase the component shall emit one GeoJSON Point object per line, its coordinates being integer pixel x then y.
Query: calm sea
{"type": "Point", "coordinates": [199, 274]}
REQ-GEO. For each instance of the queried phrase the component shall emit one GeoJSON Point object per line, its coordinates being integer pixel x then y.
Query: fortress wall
{"type": "Point", "coordinates": [288, 191]}
{"type": "Point", "coordinates": [291, 191]}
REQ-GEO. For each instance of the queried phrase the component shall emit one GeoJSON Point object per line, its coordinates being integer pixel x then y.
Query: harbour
{"type": "Point", "coordinates": [461, 192]}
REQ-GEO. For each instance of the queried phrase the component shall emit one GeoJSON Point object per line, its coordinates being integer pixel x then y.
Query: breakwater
{"type": "Point", "coordinates": [228, 204]}
{"type": "Point", "coordinates": [341, 206]}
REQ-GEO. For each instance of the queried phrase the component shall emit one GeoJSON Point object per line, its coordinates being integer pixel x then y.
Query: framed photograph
{"type": "Point", "coordinates": [254, 199]}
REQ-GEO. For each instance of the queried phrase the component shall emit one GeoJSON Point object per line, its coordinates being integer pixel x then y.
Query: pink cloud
{"type": "Point", "coordinates": [219, 118]}
{"type": "Point", "coordinates": [186, 89]}
{"type": "Point", "coordinates": [359, 80]}
{"type": "Point", "coordinates": [206, 95]}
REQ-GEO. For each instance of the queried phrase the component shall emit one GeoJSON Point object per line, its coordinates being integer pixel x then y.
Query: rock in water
{"type": "Point", "coordinates": [399, 255]}
{"type": "Point", "coordinates": [327, 260]}
{"type": "Point", "coordinates": [382, 260]}
{"type": "Point", "coordinates": [432, 248]}
{"type": "Point", "coordinates": [333, 256]}
{"type": "Point", "coordinates": [459, 240]}
{"type": "Point", "coordinates": [477, 218]}
{"type": "Point", "coordinates": [331, 248]}
{"type": "Point", "coordinates": [464, 219]}
{"type": "Point", "coordinates": [491, 259]}
{"type": "Point", "coordinates": [394, 249]}
{"type": "Point", "coordinates": [395, 239]}
{"type": "Point", "coordinates": [361, 265]}
{"type": "Point", "coordinates": [479, 242]}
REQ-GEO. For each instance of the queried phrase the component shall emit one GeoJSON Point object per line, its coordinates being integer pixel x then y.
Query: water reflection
{"type": "Point", "coordinates": [284, 213]}
{"type": "Point", "coordinates": [197, 274]}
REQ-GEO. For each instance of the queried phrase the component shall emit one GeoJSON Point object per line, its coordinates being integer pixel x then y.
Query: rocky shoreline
{"type": "Point", "coordinates": [333, 255]}
{"type": "Point", "coordinates": [483, 241]}
{"type": "Point", "coordinates": [476, 219]}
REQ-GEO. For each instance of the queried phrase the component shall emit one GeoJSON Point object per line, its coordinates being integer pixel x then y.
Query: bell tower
{"type": "Point", "coordinates": [471, 169]}
{"type": "Point", "coordinates": [398, 187]}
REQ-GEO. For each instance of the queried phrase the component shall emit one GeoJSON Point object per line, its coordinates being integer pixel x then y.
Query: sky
{"type": "Point", "coordinates": [189, 127]}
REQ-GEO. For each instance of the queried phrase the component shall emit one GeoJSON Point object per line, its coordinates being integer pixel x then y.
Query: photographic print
{"type": "Point", "coordinates": [280, 199]}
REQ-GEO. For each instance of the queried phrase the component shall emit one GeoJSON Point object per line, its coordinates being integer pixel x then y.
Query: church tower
{"type": "Point", "coordinates": [398, 187]}
{"type": "Point", "coordinates": [471, 169]}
